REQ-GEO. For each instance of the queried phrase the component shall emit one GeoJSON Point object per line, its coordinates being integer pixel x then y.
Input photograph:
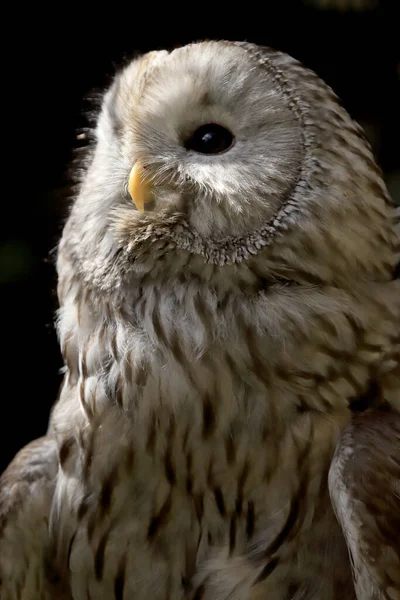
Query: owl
{"type": "Point", "coordinates": [228, 426]}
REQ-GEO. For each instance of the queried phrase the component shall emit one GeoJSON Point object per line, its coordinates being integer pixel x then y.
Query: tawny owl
{"type": "Point", "coordinates": [228, 425]}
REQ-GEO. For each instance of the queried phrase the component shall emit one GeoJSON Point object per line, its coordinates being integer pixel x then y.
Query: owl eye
{"type": "Point", "coordinates": [210, 139]}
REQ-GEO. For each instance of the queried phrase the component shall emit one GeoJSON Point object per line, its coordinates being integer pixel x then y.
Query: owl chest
{"type": "Point", "coordinates": [176, 356]}
{"type": "Point", "coordinates": [165, 496]}
{"type": "Point", "coordinates": [209, 477]}
{"type": "Point", "coordinates": [192, 445]}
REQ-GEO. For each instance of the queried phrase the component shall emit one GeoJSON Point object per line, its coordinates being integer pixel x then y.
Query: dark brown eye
{"type": "Point", "coordinates": [210, 139]}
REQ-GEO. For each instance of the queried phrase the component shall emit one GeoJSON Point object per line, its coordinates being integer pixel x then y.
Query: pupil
{"type": "Point", "coordinates": [210, 139]}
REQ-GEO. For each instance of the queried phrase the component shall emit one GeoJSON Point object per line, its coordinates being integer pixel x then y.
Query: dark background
{"type": "Point", "coordinates": [53, 60]}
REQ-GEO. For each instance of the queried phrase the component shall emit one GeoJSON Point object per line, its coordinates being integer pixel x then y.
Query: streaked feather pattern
{"type": "Point", "coordinates": [218, 346]}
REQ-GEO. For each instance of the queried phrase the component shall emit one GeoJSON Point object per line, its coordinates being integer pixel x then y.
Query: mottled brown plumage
{"type": "Point", "coordinates": [217, 348]}
{"type": "Point", "coordinates": [365, 488]}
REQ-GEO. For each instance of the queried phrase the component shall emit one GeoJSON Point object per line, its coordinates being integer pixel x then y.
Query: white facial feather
{"type": "Point", "coordinates": [290, 171]}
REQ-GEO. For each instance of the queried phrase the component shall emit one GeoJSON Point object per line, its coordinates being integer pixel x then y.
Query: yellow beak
{"type": "Point", "coordinates": [139, 187]}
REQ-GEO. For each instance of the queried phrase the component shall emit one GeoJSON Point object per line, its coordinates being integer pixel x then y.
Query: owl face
{"type": "Point", "coordinates": [203, 132]}
{"type": "Point", "coordinates": [222, 153]}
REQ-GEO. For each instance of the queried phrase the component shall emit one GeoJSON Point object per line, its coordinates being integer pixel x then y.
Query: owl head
{"type": "Point", "coordinates": [220, 155]}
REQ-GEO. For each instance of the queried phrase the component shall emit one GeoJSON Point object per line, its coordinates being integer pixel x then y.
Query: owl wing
{"type": "Point", "coordinates": [364, 484]}
{"type": "Point", "coordinates": [26, 490]}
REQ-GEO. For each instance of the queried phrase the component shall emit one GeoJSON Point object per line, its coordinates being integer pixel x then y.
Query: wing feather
{"type": "Point", "coordinates": [364, 484]}
{"type": "Point", "coordinates": [26, 491]}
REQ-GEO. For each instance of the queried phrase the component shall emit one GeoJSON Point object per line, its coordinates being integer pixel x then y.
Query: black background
{"type": "Point", "coordinates": [55, 56]}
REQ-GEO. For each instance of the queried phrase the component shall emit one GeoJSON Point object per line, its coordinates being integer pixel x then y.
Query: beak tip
{"type": "Point", "coordinates": [138, 187]}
